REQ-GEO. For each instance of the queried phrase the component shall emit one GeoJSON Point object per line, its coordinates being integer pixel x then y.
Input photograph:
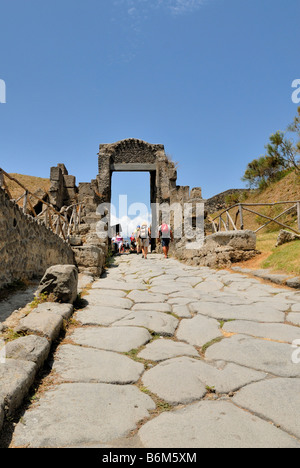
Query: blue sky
{"type": "Point", "coordinates": [211, 80]}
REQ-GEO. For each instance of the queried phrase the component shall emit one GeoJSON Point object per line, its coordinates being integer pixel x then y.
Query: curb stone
{"type": "Point", "coordinates": [26, 355]}
{"type": "Point", "coordinates": [284, 280]}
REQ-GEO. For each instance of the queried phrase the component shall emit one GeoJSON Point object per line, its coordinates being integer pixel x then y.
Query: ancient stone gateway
{"type": "Point", "coordinates": [137, 156]}
{"type": "Point", "coordinates": [134, 155]}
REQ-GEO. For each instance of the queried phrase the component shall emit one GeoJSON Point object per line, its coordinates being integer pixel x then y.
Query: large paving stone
{"type": "Point", "coordinates": [119, 339]}
{"type": "Point", "coordinates": [294, 317]}
{"type": "Point", "coordinates": [144, 296]}
{"type": "Point", "coordinates": [115, 302]}
{"type": "Point", "coordinates": [16, 378]}
{"type": "Point", "coordinates": [296, 307]}
{"type": "Point", "coordinates": [267, 356]}
{"type": "Point", "coordinates": [163, 324]}
{"type": "Point", "coordinates": [182, 311]}
{"type": "Point", "coordinates": [212, 424]}
{"type": "Point", "coordinates": [118, 285]}
{"type": "Point", "coordinates": [82, 413]}
{"type": "Point", "coordinates": [276, 400]}
{"type": "Point", "coordinates": [162, 349]}
{"type": "Point", "coordinates": [78, 364]}
{"type": "Point", "coordinates": [42, 323]}
{"type": "Point", "coordinates": [95, 296]}
{"type": "Point", "coordinates": [272, 331]}
{"type": "Point", "coordinates": [29, 348]}
{"type": "Point", "coordinates": [195, 377]}
{"type": "Point", "coordinates": [154, 307]}
{"type": "Point", "coordinates": [258, 312]}
{"type": "Point", "coordinates": [191, 280]}
{"type": "Point", "coordinates": [164, 381]}
{"type": "Point", "coordinates": [209, 286]}
{"type": "Point", "coordinates": [169, 288]}
{"type": "Point", "coordinates": [199, 330]}
{"type": "Point", "coordinates": [99, 315]}
{"type": "Point", "coordinates": [181, 300]}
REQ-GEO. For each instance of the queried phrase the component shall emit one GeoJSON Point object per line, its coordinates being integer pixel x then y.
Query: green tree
{"type": "Point", "coordinates": [295, 128]}
{"type": "Point", "coordinates": [281, 154]}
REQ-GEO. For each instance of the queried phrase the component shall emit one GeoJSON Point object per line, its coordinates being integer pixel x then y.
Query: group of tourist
{"type": "Point", "coordinates": [141, 238]}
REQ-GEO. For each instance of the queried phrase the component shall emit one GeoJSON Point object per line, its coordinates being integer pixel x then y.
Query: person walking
{"type": "Point", "coordinates": [119, 242]}
{"type": "Point", "coordinates": [138, 240]}
{"type": "Point", "coordinates": [145, 235]}
{"type": "Point", "coordinates": [166, 236]}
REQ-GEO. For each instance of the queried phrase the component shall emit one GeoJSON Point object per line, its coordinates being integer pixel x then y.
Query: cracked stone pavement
{"type": "Point", "coordinates": [165, 355]}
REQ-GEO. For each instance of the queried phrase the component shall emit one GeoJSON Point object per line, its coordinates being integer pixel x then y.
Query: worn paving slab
{"type": "Point", "coordinates": [198, 330]}
{"type": "Point", "coordinates": [265, 399]}
{"type": "Point", "coordinates": [80, 364]}
{"type": "Point", "coordinates": [213, 424]}
{"type": "Point", "coordinates": [196, 377]}
{"type": "Point", "coordinates": [267, 356]}
{"type": "Point", "coordinates": [162, 349]}
{"type": "Point", "coordinates": [118, 339]}
{"type": "Point", "coordinates": [258, 312]}
{"type": "Point", "coordinates": [163, 324]}
{"type": "Point", "coordinates": [154, 307]}
{"type": "Point", "coordinates": [272, 331]}
{"type": "Point", "coordinates": [294, 318]}
{"type": "Point", "coordinates": [144, 296]}
{"type": "Point", "coordinates": [82, 413]}
{"type": "Point", "coordinates": [99, 315]}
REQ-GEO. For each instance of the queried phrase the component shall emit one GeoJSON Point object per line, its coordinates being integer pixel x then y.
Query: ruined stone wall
{"type": "Point", "coordinates": [63, 190]}
{"type": "Point", "coordinates": [27, 248]}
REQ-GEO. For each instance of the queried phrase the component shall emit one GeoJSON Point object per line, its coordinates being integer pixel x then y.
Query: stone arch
{"type": "Point", "coordinates": [133, 155]}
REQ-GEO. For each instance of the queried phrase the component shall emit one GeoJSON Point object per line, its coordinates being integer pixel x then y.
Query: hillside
{"type": "Point", "coordinates": [283, 259]}
{"type": "Point", "coordinates": [30, 182]}
{"type": "Point", "coordinates": [287, 189]}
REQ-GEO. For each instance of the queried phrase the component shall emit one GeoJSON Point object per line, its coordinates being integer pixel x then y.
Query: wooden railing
{"type": "Point", "coordinates": [219, 223]}
{"type": "Point", "coordinates": [63, 223]}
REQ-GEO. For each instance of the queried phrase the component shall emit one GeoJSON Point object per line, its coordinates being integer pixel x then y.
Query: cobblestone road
{"type": "Point", "coordinates": [170, 356]}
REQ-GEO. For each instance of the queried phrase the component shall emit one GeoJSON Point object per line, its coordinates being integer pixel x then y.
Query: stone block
{"type": "Point", "coordinates": [69, 181]}
{"type": "Point", "coordinates": [31, 348]}
{"type": "Point", "coordinates": [239, 240]}
{"type": "Point", "coordinates": [89, 257]}
{"type": "Point", "coordinates": [294, 283]}
{"type": "Point", "coordinates": [75, 241]}
{"type": "Point", "coordinates": [285, 237]}
{"type": "Point", "coordinates": [63, 169]}
{"type": "Point", "coordinates": [64, 310]}
{"type": "Point", "coordinates": [44, 324]}
{"type": "Point", "coordinates": [55, 174]}
{"type": "Point", "coordinates": [60, 281]}
{"type": "Point", "coordinates": [16, 378]}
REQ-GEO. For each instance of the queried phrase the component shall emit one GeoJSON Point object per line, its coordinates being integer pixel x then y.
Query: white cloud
{"type": "Point", "coordinates": [142, 7]}
{"type": "Point", "coordinates": [183, 6]}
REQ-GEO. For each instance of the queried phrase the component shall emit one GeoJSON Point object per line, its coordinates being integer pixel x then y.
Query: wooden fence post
{"type": "Point", "coordinates": [242, 218]}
